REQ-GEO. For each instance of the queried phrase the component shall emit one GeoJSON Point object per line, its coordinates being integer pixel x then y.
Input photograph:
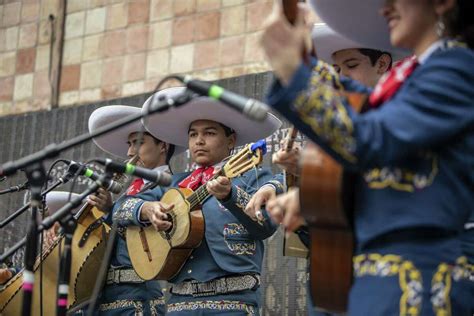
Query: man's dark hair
{"type": "Point", "coordinates": [227, 130]}
{"type": "Point", "coordinates": [460, 22]}
{"type": "Point", "coordinates": [374, 55]}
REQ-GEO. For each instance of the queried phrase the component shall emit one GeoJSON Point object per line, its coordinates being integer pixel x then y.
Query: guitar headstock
{"type": "Point", "coordinates": [250, 156]}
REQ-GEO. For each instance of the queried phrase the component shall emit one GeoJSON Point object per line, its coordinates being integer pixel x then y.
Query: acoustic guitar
{"type": "Point", "coordinates": [326, 200]}
{"type": "Point", "coordinates": [326, 204]}
{"type": "Point", "coordinates": [161, 255]}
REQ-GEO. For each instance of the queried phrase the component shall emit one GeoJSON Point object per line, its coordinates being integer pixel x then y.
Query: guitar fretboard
{"type": "Point", "coordinates": [201, 194]}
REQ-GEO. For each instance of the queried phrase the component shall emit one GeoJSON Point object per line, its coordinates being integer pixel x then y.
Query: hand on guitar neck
{"type": "Point", "coordinates": [288, 159]}
{"type": "Point", "coordinates": [285, 209]}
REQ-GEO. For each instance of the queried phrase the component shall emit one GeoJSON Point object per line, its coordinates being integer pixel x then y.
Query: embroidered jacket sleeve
{"type": "Point", "coordinates": [432, 107]}
{"type": "Point", "coordinates": [278, 183]}
{"type": "Point", "coordinates": [126, 209]}
{"type": "Point", "coordinates": [240, 196]}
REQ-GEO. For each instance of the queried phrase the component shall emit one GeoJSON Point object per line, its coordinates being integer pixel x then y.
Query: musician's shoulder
{"type": "Point", "coordinates": [178, 177]}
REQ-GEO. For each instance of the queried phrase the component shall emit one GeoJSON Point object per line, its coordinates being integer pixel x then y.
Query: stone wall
{"type": "Point", "coordinates": [119, 48]}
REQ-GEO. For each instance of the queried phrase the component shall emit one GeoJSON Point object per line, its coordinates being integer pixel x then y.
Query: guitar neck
{"type": "Point", "coordinates": [290, 180]}
{"type": "Point", "coordinates": [291, 138]}
{"type": "Point", "coordinates": [201, 194]}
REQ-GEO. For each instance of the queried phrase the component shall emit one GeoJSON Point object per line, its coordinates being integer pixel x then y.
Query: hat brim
{"type": "Point", "coordinates": [327, 42]}
{"type": "Point", "coordinates": [115, 142]}
{"type": "Point", "coordinates": [57, 199]}
{"type": "Point", "coordinates": [173, 125]}
{"type": "Point", "coordinates": [359, 21]}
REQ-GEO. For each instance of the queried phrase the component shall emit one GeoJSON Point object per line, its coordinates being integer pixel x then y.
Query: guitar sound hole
{"type": "Point", "coordinates": [169, 218]}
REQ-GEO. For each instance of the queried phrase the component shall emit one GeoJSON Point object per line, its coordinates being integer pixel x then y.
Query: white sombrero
{"type": "Point", "coordinates": [57, 199]}
{"type": "Point", "coordinates": [172, 125]}
{"type": "Point", "coordinates": [327, 42]}
{"type": "Point", "coordinates": [115, 142]}
{"type": "Point", "coordinates": [357, 20]}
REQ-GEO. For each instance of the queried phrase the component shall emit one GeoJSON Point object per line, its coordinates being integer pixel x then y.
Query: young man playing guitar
{"type": "Point", "coordinates": [223, 273]}
{"type": "Point", "coordinates": [124, 292]}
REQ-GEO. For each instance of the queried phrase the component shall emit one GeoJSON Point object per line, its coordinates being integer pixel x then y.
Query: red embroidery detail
{"type": "Point", "coordinates": [135, 187]}
{"type": "Point", "coordinates": [389, 84]}
{"type": "Point", "coordinates": [197, 178]}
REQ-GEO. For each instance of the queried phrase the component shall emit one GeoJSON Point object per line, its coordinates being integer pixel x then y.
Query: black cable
{"type": "Point", "coordinates": [76, 176]}
{"type": "Point", "coordinates": [162, 81]}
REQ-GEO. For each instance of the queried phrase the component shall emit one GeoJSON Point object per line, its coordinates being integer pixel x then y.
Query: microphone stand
{"type": "Point", "coordinates": [16, 188]}
{"type": "Point", "coordinates": [53, 150]}
{"type": "Point", "coordinates": [27, 205]}
{"type": "Point", "coordinates": [65, 215]}
{"type": "Point", "coordinates": [37, 176]}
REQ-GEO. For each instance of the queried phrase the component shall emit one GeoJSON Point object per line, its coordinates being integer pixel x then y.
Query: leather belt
{"type": "Point", "coordinates": [222, 285]}
{"type": "Point", "coordinates": [117, 276]}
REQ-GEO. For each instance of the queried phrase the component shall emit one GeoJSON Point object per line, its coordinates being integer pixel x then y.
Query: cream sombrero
{"type": "Point", "coordinates": [115, 142]}
{"type": "Point", "coordinates": [359, 21]}
{"type": "Point", "coordinates": [57, 199]}
{"type": "Point", "coordinates": [172, 125]}
{"type": "Point", "coordinates": [327, 42]}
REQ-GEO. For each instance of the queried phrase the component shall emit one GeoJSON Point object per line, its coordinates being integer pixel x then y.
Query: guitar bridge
{"type": "Point", "coordinates": [145, 246]}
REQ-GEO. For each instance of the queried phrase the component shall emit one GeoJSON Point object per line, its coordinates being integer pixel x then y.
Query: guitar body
{"type": "Point", "coordinates": [87, 254]}
{"type": "Point", "coordinates": [326, 197]}
{"type": "Point", "coordinates": [331, 237]}
{"type": "Point", "coordinates": [161, 255]}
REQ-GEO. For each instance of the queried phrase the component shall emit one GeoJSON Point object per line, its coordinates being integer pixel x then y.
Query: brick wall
{"type": "Point", "coordinates": [118, 48]}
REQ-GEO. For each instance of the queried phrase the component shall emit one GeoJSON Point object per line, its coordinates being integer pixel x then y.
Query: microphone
{"type": "Point", "coordinates": [82, 170]}
{"type": "Point", "coordinates": [252, 108]}
{"type": "Point", "coordinates": [161, 178]}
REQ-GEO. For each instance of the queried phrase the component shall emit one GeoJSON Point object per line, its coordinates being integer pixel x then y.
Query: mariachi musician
{"type": "Point", "coordinates": [414, 194]}
{"type": "Point", "coordinates": [124, 292]}
{"type": "Point", "coordinates": [353, 61]}
{"type": "Point", "coordinates": [231, 252]}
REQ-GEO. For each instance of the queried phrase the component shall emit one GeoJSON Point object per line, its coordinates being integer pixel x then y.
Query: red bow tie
{"type": "Point", "coordinates": [199, 176]}
{"type": "Point", "coordinates": [389, 84]}
{"type": "Point", "coordinates": [135, 187]}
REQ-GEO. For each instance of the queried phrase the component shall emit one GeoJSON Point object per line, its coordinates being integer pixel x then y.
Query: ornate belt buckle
{"type": "Point", "coordinates": [116, 276]}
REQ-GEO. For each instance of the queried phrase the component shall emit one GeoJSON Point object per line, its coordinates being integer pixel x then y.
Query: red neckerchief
{"type": "Point", "coordinates": [135, 187]}
{"type": "Point", "coordinates": [389, 84]}
{"type": "Point", "coordinates": [199, 176]}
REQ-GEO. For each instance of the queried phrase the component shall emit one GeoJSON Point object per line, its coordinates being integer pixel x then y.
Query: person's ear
{"type": "Point", "coordinates": [383, 64]}
{"type": "Point", "coordinates": [231, 141]}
